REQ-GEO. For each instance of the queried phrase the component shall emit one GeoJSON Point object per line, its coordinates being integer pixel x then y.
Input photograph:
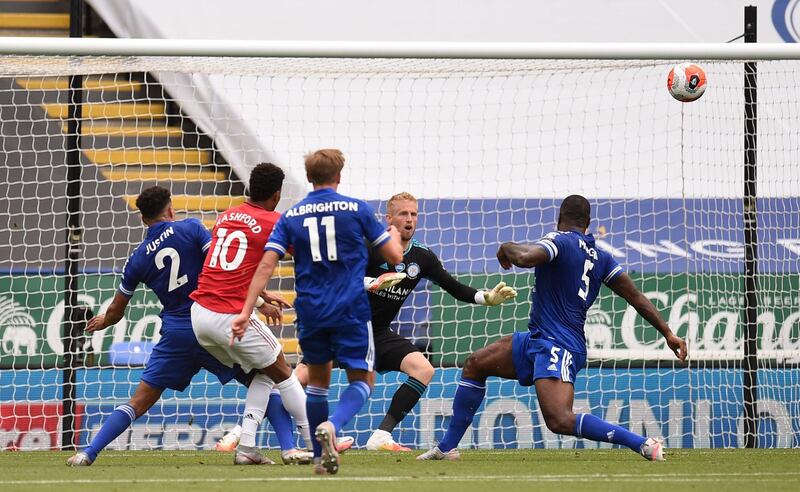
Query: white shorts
{"type": "Point", "coordinates": [257, 349]}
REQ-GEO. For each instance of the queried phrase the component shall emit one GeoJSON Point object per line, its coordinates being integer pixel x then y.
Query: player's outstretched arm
{"type": "Point", "coordinates": [464, 293]}
{"type": "Point", "coordinates": [260, 279]}
{"type": "Point", "coordinates": [624, 287]}
{"type": "Point", "coordinates": [392, 250]}
{"type": "Point", "coordinates": [521, 255]}
{"type": "Point", "coordinates": [114, 313]}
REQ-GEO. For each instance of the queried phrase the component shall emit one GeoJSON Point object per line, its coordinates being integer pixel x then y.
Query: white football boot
{"type": "Point", "coordinates": [326, 437]}
{"type": "Point", "coordinates": [653, 449]}
{"type": "Point", "coordinates": [436, 454]}
{"type": "Point", "coordinates": [79, 459]}
{"type": "Point", "coordinates": [246, 455]}
{"type": "Point", "coordinates": [381, 440]}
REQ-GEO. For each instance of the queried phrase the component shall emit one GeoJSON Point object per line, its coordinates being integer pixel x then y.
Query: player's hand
{"type": "Point", "coordinates": [238, 327]}
{"type": "Point", "coordinates": [96, 324]}
{"type": "Point", "coordinates": [272, 312]}
{"type": "Point", "coordinates": [275, 299]}
{"type": "Point", "coordinates": [678, 347]}
{"type": "Point", "coordinates": [500, 294]}
{"type": "Point", "coordinates": [385, 281]}
{"type": "Point", "coordinates": [502, 258]}
{"type": "Point", "coordinates": [394, 233]}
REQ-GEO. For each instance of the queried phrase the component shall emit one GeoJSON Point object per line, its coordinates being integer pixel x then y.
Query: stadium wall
{"type": "Point", "coordinates": [698, 408]}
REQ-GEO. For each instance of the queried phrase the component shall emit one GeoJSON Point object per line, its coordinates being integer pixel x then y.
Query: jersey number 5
{"type": "Point", "coordinates": [584, 291]}
{"type": "Point", "coordinates": [313, 236]}
{"type": "Point", "coordinates": [174, 267]}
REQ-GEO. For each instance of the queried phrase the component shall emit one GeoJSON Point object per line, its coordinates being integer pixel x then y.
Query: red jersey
{"type": "Point", "coordinates": [237, 245]}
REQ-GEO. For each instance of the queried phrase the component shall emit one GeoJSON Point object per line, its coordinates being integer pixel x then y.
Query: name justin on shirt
{"type": "Point", "coordinates": [155, 243]}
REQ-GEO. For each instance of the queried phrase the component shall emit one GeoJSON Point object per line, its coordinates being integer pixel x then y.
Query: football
{"type": "Point", "coordinates": [686, 82]}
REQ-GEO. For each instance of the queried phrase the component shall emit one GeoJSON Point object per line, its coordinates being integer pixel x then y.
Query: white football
{"type": "Point", "coordinates": [686, 82]}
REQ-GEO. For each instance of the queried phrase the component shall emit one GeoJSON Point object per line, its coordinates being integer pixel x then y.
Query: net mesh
{"type": "Point", "coordinates": [489, 147]}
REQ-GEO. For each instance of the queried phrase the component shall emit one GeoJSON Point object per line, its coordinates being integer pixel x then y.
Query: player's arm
{"type": "Point", "coordinates": [464, 293]}
{"type": "Point", "coordinates": [392, 250]}
{"type": "Point", "coordinates": [263, 273]}
{"type": "Point", "coordinates": [114, 313]}
{"type": "Point", "coordinates": [522, 255]}
{"type": "Point", "coordinates": [623, 286]}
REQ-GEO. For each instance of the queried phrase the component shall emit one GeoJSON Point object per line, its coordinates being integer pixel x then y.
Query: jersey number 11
{"type": "Point", "coordinates": [313, 236]}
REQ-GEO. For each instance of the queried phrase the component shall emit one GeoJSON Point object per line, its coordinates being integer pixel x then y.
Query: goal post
{"type": "Point", "coordinates": [490, 138]}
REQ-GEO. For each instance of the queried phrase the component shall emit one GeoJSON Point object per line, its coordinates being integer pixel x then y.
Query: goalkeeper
{"type": "Point", "coordinates": [392, 351]}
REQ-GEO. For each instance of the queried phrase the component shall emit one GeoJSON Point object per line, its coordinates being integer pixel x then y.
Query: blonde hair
{"type": "Point", "coordinates": [400, 197]}
{"type": "Point", "coordinates": [323, 165]}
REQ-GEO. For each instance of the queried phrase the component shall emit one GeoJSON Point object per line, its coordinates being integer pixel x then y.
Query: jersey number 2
{"type": "Point", "coordinates": [174, 267]}
{"type": "Point", "coordinates": [584, 291]}
{"type": "Point", "coordinates": [313, 236]}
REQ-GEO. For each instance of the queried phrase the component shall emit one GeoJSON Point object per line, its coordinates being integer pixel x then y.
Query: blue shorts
{"type": "Point", "coordinates": [538, 358]}
{"type": "Point", "coordinates": [177, 357]}
{"type": "Point", "coordinates": [351, 346]}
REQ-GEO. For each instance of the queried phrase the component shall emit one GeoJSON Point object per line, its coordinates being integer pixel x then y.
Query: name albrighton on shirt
{"type": "Point", "coordinates": [153, 245]}
{"type": "Point", "coordinates": [316, 208]}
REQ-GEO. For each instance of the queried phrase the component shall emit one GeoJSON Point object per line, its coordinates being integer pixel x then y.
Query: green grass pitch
{"type": "Point", "coordinates": [478, 470]}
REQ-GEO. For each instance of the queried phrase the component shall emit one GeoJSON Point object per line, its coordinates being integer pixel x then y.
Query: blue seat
{"type": "Point", "coordinates": [130, 353]}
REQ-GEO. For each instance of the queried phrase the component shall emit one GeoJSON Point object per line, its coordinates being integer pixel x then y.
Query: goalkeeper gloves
{"type": "Point", "coordinates": [383, 282]}
{"type": "Point", "coordinates": [500, 294]}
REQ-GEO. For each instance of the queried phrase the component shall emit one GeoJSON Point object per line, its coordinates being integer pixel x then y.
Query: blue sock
{"type": "Point", "coordinates": [317, 410]}
{"type": "Point", "coordinates": [116, 423]}
{"type": "Point", "coordinates": [469, 396]}
{"type": "Point", "coordinates": [281, 421]}
{"type": "Point", "coordinates": [590, 427]}
{"type": "Point", "coordinates": [350, 402]}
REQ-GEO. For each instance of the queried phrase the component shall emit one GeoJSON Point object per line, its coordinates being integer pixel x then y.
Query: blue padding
{"type": "Point", "coordinates": [130, 353]}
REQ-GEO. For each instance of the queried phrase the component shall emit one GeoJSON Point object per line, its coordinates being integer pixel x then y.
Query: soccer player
{"type": "Point", "coordinates": [239, 237]}
{"type": "Point", "coordinates": [392, 351]}
{"type": "Point", "coordinates": [569, 271]}
{"type": "Point", "coordinates": [327, 231]}
{"type": "Point", "coordinates": [168, 261]}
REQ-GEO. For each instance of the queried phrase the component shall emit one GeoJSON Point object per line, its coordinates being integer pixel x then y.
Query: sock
{"type": "Point", "coordinates": [294, 400]}
{"type": "Point", "coordinates": [403, 401]}
{"type": "Point", "coordinates": [116, 423]}
{"type": "Point", "coordinates": [254, 407]}
{"type": "Point", "coordinates": [350, 402]}
{"type": "Point", "coordinates": [469, 396]}
{"type": "Point", "coordinates": [317, 408]}
{"type": "Point", "coordinates": [590, 427]}
{"type": "Point", "coordinates": [280, 420]}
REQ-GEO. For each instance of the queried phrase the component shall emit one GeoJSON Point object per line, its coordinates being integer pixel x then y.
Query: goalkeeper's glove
{"type": "Point", "coordinates": [385, 281]}
{"type": "Point", "coordinates": [500, 294]}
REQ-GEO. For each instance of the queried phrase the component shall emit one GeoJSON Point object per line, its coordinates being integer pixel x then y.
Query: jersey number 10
{"type": "Point", "coordinates": [223, 243]}
{"type": "Point", "coordinates": [313, 236]}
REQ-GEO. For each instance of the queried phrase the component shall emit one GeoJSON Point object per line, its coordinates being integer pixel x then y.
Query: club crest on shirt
{"type": "Point", "coordinates": [413, 270]}
{"type": "Point", "coordinates": [400, 267]}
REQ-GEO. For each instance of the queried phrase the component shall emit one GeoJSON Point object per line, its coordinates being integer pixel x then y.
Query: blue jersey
{"type": "Point", "coordinates": [567, 286]}
{"type": "Point", "coordinates": [327, 232]}
{"type": "Point", "coordinates": [168, 261]}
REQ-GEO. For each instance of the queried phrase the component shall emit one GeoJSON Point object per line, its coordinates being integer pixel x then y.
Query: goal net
{"type": "Point", "coordinates": [489, 147]}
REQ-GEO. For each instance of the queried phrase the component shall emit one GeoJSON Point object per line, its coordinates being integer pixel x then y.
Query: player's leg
{"type": "Point", "coordinates": [120, 419]}
{"type": "Point", "coordinates": [257, 350]}
{"type": "Point", "coordinates": [172, 364]}
{"type": "Point", "coordinates": [555, 369]}
{"type": "Point", "coordinates": [319, 380]}
{"type": "Point", "coordinates": [396, 353]}
{"type": "Point", "coordinates": [493, 360]}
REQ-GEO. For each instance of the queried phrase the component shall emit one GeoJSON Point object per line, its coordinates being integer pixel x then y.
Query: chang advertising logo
{"type": "Point", "coordinates": [19, 336]}
{"type": "Point", "coordinates": [786, 19]}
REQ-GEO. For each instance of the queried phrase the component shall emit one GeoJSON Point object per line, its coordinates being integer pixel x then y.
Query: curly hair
{"type": "Point", "coordinates": [265, 179]}
{"type": "Point", "coordinates": [152, 201]}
